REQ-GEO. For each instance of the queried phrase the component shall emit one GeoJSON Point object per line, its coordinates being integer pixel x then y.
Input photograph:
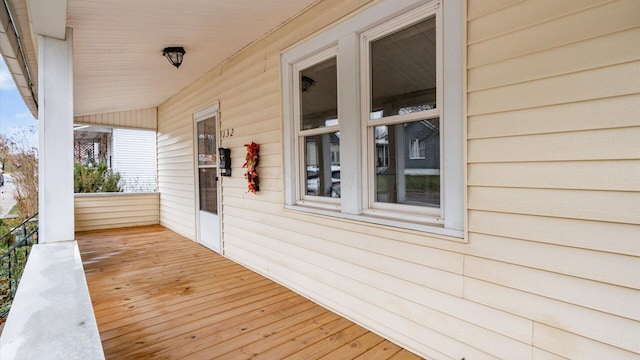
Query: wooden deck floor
{"type": "Point", "coordinates": [159, 295]}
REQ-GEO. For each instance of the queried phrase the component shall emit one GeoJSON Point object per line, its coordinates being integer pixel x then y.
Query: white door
{"type": "Point", "coordinates": [207, 184]}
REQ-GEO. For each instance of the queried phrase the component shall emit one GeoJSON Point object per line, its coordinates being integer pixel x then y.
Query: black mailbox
{"type": "Point", "coordinates": [225, 161]}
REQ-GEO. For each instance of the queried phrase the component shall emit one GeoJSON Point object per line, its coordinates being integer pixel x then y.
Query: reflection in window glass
{"type": "Point", "coordinates": [319, 95]}
{"type": "Point", "coordinates": [322, 163]}
{"type": "Point", "coordinates": [400, 178]}
{"type": "Point", "coordinates": [417, 149]}
{"type": "Point", "coordinates": [403, 71]}
{"type": "Point", "coordinates": [208, 190]}
{"type": "Point", "coordinates": [207, 142]}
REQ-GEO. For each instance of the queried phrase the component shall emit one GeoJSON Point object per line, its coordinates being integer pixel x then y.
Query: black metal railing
{"type": "Point", "coordinates": [12, 262]}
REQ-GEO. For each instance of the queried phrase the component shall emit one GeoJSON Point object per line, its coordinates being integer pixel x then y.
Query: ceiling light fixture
{"type": "Point", "coordinates": [174, 55]}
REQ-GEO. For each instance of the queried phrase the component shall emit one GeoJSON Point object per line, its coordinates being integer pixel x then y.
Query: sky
{"type": "Point", "coordinates": [15, 117]}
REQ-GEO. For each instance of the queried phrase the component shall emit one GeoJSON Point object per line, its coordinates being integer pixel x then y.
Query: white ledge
{"type": "Point", "coordinates": [52, 316]}
{"type": "Point", "coordinates": [107, 194]}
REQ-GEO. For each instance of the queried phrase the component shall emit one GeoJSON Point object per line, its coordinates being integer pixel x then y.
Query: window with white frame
{"type": "Point", "coordinates": [381, 73]}
{"type": "Point", "coordinates": [417, 149]}
{"type": "Point", "coordinates": [317, 127]}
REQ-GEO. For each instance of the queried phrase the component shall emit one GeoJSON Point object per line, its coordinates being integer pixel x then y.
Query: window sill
{"type": "Point", "coordinates": [432, 227]}
{"type": "Point", "coordinates": [107, 194]}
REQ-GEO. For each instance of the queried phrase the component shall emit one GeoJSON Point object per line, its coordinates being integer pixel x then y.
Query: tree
{"type": "Point", "coordinates": [95, 178]}
{"type": "Point", "coordinates": [4, 151]}
{"type": "Point", "coordinates": [25, 178]}
{"type": "Point", "coordinates": [21, 159]}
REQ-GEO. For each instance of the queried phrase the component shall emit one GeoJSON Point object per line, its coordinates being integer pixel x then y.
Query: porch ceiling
{"type": "Point", "coordinates": [118, 62]}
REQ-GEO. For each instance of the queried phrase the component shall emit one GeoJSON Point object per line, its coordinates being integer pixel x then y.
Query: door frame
{"type": "Point", "coordinates": [207, 112]}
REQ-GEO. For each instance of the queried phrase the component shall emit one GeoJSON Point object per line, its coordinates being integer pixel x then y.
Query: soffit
{"type": "Point", "coordinates": [118, 62]}
{"type": "Point", "coordinates": [24, 70]}
{"type": "Point", "coordinates": [49, 17]}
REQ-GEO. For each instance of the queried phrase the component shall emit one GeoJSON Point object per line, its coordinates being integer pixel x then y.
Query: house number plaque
{"type": "Point", "coordinates": [227, 133]}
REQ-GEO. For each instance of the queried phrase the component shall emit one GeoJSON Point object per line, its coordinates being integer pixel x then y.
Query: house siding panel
{"type": "Point", "coordinates": [109, 211]}
{"type": "Point", "coordinates": [553, 173]}
{"type": "Point", "coordinates": [137, 119]}
{"type": "Point", "coordinates": [595, 235]}
{"type": "Point", "coordinates": [578, 24]}
{"type": "Point", "coordinates": [553, 180]}
{"type": "Point", "coordinates": [134, 157]}
{"type": "Point", "coordinates": [576, 347]}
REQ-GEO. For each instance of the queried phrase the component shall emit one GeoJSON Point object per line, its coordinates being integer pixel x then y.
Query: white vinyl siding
{"type": "Point", "coordinates": [114, 210]}
{"type": "Point", "coordinates": [137, 119]}
{"type": "Point", "coordinates": [554, 171]}
{"type": "Point", "coordinates": [133, 155]}
{"type": "Point", "coordinates": [550, 270]}
{"type": "Point", "coordinates": [176, 182]}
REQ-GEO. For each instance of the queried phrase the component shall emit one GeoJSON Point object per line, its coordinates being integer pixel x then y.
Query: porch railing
{"type": "Point", "coordinates": [12, 262]}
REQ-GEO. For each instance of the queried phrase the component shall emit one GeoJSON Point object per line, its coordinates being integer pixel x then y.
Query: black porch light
{"type": "Point", "coordinates": [174, 55]}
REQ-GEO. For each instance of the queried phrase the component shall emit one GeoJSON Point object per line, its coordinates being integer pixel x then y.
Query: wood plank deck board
{"type": "Point", "coordinates": [158, 295]}
{"type": "Point", "coordinates": [384, 350]}
{"type": "Point", "coordinates": [264, 295]}
{"type": "Point", "coordinates": [216, 321]}
{"type": "Point", "coordinates": [224, 291]}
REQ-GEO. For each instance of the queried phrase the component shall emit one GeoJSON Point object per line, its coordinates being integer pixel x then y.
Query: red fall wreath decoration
{"type": "Point", "coordinates": [251, 162]}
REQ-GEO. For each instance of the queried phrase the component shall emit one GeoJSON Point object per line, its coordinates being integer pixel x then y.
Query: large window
{"type": "Point", "coordinates": [401, 82]}
{"type": "Point", "coordinates": [369, 120]}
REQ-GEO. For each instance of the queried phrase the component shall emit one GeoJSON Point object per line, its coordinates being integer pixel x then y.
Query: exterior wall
{"type": "Point", "coordinates": [554, 171]}
{"type": "Point", "coordinates": [176, 170]}
{"type": "Point", "coordinates": [140, 119]}
{"type": "Point", "coordinates": [134, 157]}
{"type": "Point", "coordinates": [432, 148]}
{"type": "Point", "coordinates": [114, 210]}
{"type": "Point", "coordinates": [551, 267]}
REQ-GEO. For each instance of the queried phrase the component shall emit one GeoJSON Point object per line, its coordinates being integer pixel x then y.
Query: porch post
{"type": "Point", "coordinates": [55, 114]}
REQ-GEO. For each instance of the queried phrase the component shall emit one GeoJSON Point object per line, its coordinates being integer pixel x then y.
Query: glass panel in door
{"type": "Point", "coordinates": [208, 190]}
{"type": "Point", "coordinates": [207, 165]}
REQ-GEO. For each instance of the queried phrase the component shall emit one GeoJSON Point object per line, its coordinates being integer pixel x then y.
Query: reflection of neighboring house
{"type": "Point", "coordinates": [91, 145]}
{"type": "Point", "coordinates": [422, 148]}
{"type": "Point", "coordinates": [382, 147]}
{"type": "Point", "coordinates": [131, 152]}
{"type": "Point", "coordinates": [407, 161]}
{"type": "Point", "coordinates": [420, 144]}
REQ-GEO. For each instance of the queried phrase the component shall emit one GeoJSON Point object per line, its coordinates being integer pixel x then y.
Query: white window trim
{"type": "Point", "coordinates": [346, 37]}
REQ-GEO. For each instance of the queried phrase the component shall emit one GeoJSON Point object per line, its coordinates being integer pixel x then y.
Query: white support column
{"type": "Point", "coordinates": [55, 114]}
